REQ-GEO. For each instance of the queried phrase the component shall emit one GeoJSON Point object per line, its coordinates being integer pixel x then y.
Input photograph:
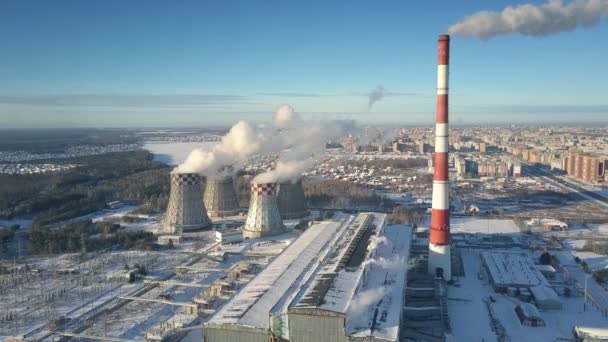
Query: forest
{"type": "Point", "coordinates": [51, 198]}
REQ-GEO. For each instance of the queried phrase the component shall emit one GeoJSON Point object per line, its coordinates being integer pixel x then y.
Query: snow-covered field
{"type": "Point", "coordinates": [174, 153]}
{"type": "Point", "coordinates": [471, 299]}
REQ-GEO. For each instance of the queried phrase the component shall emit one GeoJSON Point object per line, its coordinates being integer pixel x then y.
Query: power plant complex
{"type": "Point", "coordinates": [440, 261]}
{"type": "Point", "coordinates": [343, 278]}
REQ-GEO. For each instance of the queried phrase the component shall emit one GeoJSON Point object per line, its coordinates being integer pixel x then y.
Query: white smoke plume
{"type": "Point", "coordinates": [375, 96]}
{"type": "Point", "coordinates": [376, 240]}
{"type": "Point", "coordinates": [285, 116]}
{"type": "Point", "coordinates": [298, 141]}
{"type": "Point", "coordinates": [304, 143]}
{"type": "Point", "coordinates": [242, 141]}
{"type": "Point", "coordinates": [532, 20]}
{"type": "Point", "coordinates": [364, 299]}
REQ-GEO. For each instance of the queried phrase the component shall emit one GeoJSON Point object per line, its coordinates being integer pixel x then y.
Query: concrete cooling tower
{"type": "Point", "coordinates": [263, 218]}
{"type": "Point", "coordinates": [292, 203]}
{"type": "Point", "coordinates": [186, 210]}
{"type": "Point", "coordinates": [220, 197]}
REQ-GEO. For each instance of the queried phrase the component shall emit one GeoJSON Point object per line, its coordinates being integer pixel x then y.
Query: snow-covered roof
{"type": "Point", "coordinates": [252, 305]}
{"type": "Point", "coordinates": [513, 269]}
{"type": "Point", "coordinates": [529, 310]}
{"type": "Point", "coordinates": [333, 287]}
{"type": "Point", "coordinates": [546, 268]}
{"type": "Point", "coordinates": [544, 293]}
{"type": "Point", "coordinates": [592, 332]}
{"type": "Point", "coordinates": [385, 278]}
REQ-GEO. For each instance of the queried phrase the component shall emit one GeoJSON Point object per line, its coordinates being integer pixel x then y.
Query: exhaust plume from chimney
{"type": "Point", "coordinates": [375, 96]}
{"type": "Point", "coordinates": [302, 139]}
{"type": "Point", "coordinates": [532, 20]}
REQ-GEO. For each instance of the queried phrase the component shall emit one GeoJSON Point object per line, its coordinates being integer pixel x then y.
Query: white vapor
{"type": "Point", "coordinates": [299, 143]}
{"type": "Point", "coordinates": [285, 116]}
{"type": "Point", "coordinates": [375, 96]}
{"type": "Point", "coordinates": [304, 143]}
{"type": "Point", "coordinates": [532, 20]}
{"type": "Point", "coordinates": [374, 241]}
{"type": "Point", "coordinates": [242, 141]}
{"type": "Point", "coordinates": [364, 299]}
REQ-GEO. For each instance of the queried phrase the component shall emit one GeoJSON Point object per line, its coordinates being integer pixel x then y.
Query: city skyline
{"type": "Point", "coordinates": [113, 64]}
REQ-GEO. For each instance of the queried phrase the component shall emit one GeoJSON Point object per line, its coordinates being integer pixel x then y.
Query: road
{"type": "Point", "coordinates": [547, 176]}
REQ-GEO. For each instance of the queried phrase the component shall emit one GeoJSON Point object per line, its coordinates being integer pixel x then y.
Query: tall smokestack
{"type": "Point", "coordinates": [186, 210]}
{"type": "Point", "coordinates": [263, 218]}
{"type": "Point", "coordinates": [439, 243]}
{"type": "Point", "coordinates": [292, 202]}
{"type": "Point", "coordinates": [220, 197]}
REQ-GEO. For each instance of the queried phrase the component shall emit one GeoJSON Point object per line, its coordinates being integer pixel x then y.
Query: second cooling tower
{"type": "Point", "coordinates": [220, 197]}
{"type": "Point", "coordinates": [186, 210]}
{"type": "Point", "coordinates": [263, 218]}
{"type": "Point", "coordinates": [292, 202]}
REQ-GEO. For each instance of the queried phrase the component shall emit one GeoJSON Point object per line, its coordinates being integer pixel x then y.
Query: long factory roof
{"type": "Point", "coordinates": [317, 272]}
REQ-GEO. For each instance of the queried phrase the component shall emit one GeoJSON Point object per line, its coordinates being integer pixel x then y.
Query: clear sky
{"type": "Point", "coordinates": [196, 63]}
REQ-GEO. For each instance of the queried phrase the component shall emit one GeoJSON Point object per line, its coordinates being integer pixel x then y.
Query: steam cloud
{"type": "Point", "coordinates": [364, 299]}
{"type": "Point", "coordinates": [532, 20]}
{"type": "Point", "coordinates": [375, 96]}
{"type": "Point", "coordinates": [299, 143]}
{"type": "Point", "coordinates": [304, 144]}
{"type": "Point", "coordinates": [374, 241]}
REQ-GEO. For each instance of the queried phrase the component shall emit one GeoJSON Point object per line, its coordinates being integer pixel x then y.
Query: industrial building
{"type": "Point", "coordinates": [517, 271]}
{"type": "Point", "coordinates": [341, 280]}
{"type": "Point", "coordinates": [263, 218]}
{"type": "Point", "coordinates": [292, 202]}
{"type": "Point", "coordinates": [220, 197]}
{"type": "Point", "coordinates": [185, 211]}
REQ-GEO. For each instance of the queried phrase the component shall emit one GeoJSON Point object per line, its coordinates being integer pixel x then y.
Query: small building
{"type": "Point", "coordinates": [169, 240]}
{"type": "Point", "coordinates": [590, 334]}
{"type": "Point", "coordinates": [554, 225]}
{"type": "Point", "coordinates": [229, 236]}
{"type": "Point", "coordinates": [546, 298]}
{"type": "Point", "coordinates": [528, 315]}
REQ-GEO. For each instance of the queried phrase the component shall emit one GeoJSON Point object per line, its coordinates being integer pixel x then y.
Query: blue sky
{"type": "Point", "coordinates": [196, 63]}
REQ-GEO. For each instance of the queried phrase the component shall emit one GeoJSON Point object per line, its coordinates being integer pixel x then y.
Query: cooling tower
{"type": "Point", "coordinates": [220, 197]}
{"type": "Point", "coordinates": [292, 203]}
{"type": "Point", "coordinates": [186, 210]}
{"type": "Point", "coordinates": [263, 218]}
{"type": "Point", "coordinates": [440, 259]}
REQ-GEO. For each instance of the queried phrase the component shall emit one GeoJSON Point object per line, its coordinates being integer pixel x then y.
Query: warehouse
{"type": "Point", "coordinates": [345, 276]}
{"type": "Point", "coordinates": [512, 269]}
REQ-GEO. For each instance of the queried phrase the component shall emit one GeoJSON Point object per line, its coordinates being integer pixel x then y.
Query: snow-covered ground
{"type": "Point", "coordinates": [174, 153]}
{"type": "Point", "coordinates": [148, 223]}
{"type": "Point", "coordinates": [469, 305]}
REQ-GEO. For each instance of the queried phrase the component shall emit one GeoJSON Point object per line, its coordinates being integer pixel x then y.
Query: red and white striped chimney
{"type": "Point", "coordinates": [439, 243]}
